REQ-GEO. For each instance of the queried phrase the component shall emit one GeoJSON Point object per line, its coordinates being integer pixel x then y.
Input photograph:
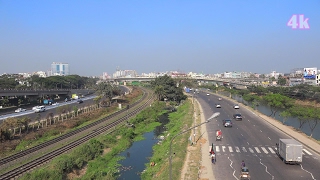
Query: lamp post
{"type": "Point", "coordinates": [170, 158]}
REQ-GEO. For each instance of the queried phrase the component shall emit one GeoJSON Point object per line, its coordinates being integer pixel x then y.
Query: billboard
{"type": "Point", "coordinates": [310, 73]}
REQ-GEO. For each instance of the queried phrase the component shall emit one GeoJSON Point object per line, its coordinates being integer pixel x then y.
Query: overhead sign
{"type": "Point", "coordinates": [310, 73]}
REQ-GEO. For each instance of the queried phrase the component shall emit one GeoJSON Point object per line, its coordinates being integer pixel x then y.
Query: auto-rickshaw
{"type": "Point", "coordinates": [244, 174]}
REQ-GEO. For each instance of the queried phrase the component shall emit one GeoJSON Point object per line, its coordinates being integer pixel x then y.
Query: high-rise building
{"type": "Point", "coordinates": [59, 69]}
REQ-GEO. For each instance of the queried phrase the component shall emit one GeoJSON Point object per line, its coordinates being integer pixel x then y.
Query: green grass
{"type": "Point", "coordinates": [179, 121]}
{"type": "Point", "coordinates": [102, 166]}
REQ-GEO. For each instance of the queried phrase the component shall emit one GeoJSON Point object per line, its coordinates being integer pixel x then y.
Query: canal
{"type": "Point", "coordinates": [138, 154]}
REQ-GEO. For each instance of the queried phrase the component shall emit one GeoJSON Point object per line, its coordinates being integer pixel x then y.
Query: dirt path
{"type": "Point", "coordinates": [197, 164]}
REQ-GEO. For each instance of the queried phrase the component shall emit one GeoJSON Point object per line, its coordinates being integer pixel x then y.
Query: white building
{"type": "Point", "coordinates": [59, 69]}
{"type": "Point", "coordinates": [125, 73]}
{"type": "Point", "coordinates": [41, 74]}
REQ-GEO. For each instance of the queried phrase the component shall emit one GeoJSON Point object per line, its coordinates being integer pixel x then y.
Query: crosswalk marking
{"type": "Point", "coordinates": [254, 150]}
{"type": "Point", "coordinates": [271, 150]}
{"type": "Point", "coordinates": [223, 148]}
{"type": "Point", "coordinates": [257, 149]}
{"type": "Point", "coordinates": [237, 149]}
{"type": "Point", "coordinates": [306, 151]}
{"type": "Point", "coordinates": [244, 149]}
{"type": "Point", "coordinates": [264, 150]}
{"type": "Point", "coordinates": [230, 149]}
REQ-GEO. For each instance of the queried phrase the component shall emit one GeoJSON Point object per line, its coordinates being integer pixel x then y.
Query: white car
{"type": "Point", "coordinates": [236, 106]}
{"type": "Point", "coordinates": [34, 108]}
{"type": "Point", "coordinates": [40, 109]}
{"type": "Point", "coordinates": [20, 110]}
{"type": "Point", "coordinates": [208, 94]}
{"type": "Point", "coordinates": [218, 106]}
{"type": "Point", "coordinates": [55, 104]}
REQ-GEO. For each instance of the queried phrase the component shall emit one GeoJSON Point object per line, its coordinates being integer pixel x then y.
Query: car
{"type": "Point", "coordinates": [220, 98]}
{"type": "Point", "coordinates": [40, 109]}
{"type": "Point", "coordinates": [34, 108]}
{"type": "Point", "coordinates": [227, 123]}
{"type": "Point", "coordinates": [208, 94]}
{"type": "Point", "coordinates": [218, 106]}
{"type": "Point", "coordinates": [20, 110]}
{"type": "Point", "coordinates": [237, 117]}
{"type": "Point", "coordinates": [236, 106]}
{"type": "Point", "coordinates": [79, 101]}
{"type": "Point", "coordinates": [56, 103]}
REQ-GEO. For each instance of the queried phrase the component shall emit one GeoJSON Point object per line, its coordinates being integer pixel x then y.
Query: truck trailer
{"type": "Point", "coordinates": [290, 151]}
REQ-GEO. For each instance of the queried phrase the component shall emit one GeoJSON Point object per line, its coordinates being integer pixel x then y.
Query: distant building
{"type": "Point", "coordinates": [41, 74]}
{"type": "Point", "coordinates": [125, 73]}
{"type": "Point", "coordinates": [59, 69]}
{"type": "Point", "coordinates": [105, 76]}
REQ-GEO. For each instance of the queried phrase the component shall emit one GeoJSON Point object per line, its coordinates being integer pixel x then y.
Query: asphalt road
{"type": "Point", "coordinates": [87, 100]}
{"type": "Point", "coordinates": [251, 140]}
{"type": "Point", "coordinates": [50, 109]}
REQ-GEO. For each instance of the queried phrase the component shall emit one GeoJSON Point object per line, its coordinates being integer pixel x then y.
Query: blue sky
{"type": "Point", "coordinates": [154, 36]}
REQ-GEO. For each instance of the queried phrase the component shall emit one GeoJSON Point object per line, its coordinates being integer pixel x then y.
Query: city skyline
{"type": "Point", "coordinates": [148, 36]}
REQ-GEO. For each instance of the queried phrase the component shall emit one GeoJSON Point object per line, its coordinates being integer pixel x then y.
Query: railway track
{"type": "Point", "coordinates": [38, 161]}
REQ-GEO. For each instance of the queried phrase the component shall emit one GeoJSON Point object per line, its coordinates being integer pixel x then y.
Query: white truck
{"type": "Point", "coordinates": [290, 151]}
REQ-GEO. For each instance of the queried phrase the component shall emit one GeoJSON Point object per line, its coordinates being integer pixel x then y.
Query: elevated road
{"type": "Point", "coordinates": [40, 92]}
{"type": "Point", "coordinates": [251, 140]}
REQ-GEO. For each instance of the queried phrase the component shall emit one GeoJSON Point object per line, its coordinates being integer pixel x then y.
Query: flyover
{"type": "Point", "coordinates": [42, 92]}
{"type": "Point", "coordinates": [220, 81]}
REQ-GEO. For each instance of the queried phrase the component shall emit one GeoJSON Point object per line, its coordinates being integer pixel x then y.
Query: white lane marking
{"type": "Point", "coordinates": [241, 134]}
{"type": "Point", "coordinates": [271, 150]}
{"type": "Point", "coordinates": [230, 149]}
{"type": "Point", "coordinates": [248, 120]}
{"type": "Point", "coordinates": [251, 150]}
{"type": "Point", "coordinates": [307, 171]}
{"type": "Point", "coordinates": [254, 125]}
{"type": "Point", "coordinates": [234, 171]}
{"type": "Point", "coordinates": [244, 149]}
{"type": "Point", "coordinates": [223, 148]}
{"type": "Point", "coordinates": [237, 149]}
{"type": "Point", "coordinates": [306, 151]}
{"type": "Point", "coordinates": [264, 150]}
{"type": "Point", "coordinates": [267, 170]}
{"type": "Point", "coordinates": [260, 131]}
{"type": "Point", "coordinates": [218, 124]}
{"type": "Point", "coordinates": [248, 143]}
{"type": "Point", "coordinates": [217, 149]}
{"type": "Point", "coordinates": [257, 149]}
{"type": "Point", "coordinates": [269, 138]}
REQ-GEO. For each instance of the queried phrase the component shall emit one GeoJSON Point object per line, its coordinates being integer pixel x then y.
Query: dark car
{"type": "Point", "coordinates": [227, 123]}
{"type": "Point", "coordinates": [80, 101]}
{"type": "Point", "coordinates": [237, 117]}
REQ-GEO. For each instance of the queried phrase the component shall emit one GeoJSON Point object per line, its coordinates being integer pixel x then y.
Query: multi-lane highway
{"type": "Point", "coordinates": [251, 140]}
{"type": "Point", "coordinates": [88, 100]}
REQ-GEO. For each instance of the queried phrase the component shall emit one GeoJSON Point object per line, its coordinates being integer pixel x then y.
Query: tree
{"type": "Point", "coordinates": [282, 81]}
{"type": "Point", "coordinates": [108, 90]}
{"type": "Point", "coordinates": [298, 112]}
{"type": "Point", "coordinates": [277, 101]}
{"type": "Point", "coordinates": [170, 89]}
{"type": "Point", "coordinates": [159, 91]}
{"type": "Point", "coordinates": [25, 122]}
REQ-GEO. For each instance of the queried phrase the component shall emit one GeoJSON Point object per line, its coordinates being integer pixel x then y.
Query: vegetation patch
{"type": "Point", "coordinates": [179, 121]}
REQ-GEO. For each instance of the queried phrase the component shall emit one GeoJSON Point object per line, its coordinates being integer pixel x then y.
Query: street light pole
{"type": "Point", "coordinates": [170, 157]}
